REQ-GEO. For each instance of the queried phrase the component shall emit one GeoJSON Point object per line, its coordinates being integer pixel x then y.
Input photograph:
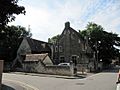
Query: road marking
{"type": "Point", "coordinates": [22, 83]}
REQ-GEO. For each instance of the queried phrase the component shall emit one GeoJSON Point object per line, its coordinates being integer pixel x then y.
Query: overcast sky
{"type": "Point", "coordinates": [47, 17]}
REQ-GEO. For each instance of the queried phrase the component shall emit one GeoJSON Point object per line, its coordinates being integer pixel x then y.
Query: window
{"type": "Point", "coordinates": [56, 48]}
{"type": "Point", "coordinates": [83, 48]}
{"type": "Point", "coordinates": [60, 48]}
{"type": "Point", "coordinates": [79, 41]}
{"type": "Point", "coordinates": [62, 59]}
{"type": "Point", "coordinates": [74, 59]}
{"type": "Point", "coordinates": [43, 45]}
{"type": "Point", "coordinates": [68, 31]}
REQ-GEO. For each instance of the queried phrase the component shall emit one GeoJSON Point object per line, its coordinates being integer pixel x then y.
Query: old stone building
{"type": "Point", "coordinates": [31, 46]}
{"type": "Point", "coordinates": [72, 47]}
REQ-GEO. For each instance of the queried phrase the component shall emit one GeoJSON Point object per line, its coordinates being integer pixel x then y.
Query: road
{"type": "Point", "coordinates": [11, 85]}
{"type": "Point", "coordinates": [100, 81]}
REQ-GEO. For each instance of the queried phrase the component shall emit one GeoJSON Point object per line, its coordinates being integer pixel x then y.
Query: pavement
{"type": "Point", "coordinates": [78, 76]}
{"type": "Point", "coordinates": [17, 85]}
{"type": "Point", "coordinates": [8, 84]}
{"type": "Point", "coordinates": [98, 81]}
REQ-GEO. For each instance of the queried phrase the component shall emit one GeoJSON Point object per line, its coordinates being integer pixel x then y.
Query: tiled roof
{"type": "Point", "coordinates": [35, 57]}
{"type": "Point", "coordinates": [38, 46]}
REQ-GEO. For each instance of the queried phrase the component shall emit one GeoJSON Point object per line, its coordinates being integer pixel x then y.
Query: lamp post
{"type": "Point", "coordinates": [97, 52]}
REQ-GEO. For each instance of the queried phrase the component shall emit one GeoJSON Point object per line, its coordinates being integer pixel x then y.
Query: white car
{"type": "Point", "coordinates": [64, 64]}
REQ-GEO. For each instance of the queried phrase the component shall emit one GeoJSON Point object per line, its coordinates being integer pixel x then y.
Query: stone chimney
{"type": "Point", "coordinates": [67, 24]}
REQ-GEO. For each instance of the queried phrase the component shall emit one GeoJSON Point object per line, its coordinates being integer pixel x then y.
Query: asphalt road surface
{"type": "Point", "coordinates": [100, 81]}
{"type": "Point", "coordinates": [10, 85]}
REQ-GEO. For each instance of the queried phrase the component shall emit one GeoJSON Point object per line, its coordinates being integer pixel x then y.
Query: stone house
{"type": "Point", "coordinates": [33, 61]}
{"type": "Point", "coordinates": [72, 47]}
{"type": "Point", "coordinates": [41, 63]}
{"type": "Point", "coordinates": [31, 46]}
{"type": "Point", "coordinates": [69, 47]}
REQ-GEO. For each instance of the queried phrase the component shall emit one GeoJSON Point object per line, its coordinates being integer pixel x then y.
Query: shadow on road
{"type": "Point", "coordinates": [5, 87]}
{"type": "Point", "coordinates": [73, 77]}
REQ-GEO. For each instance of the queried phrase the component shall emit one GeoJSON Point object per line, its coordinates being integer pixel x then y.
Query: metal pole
{"type": "Point", "coordinates": [97, 55]}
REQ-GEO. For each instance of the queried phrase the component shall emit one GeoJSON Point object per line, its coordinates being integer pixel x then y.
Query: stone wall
{"type": "Point", "coordinates": [39, 67]}
{"type": "Point", "coordinates": [87, 66]}
{"type": "Point", "coordinates": [59, 70]}
{"type": "Point", "coordinates": [1, 70]}
{"type": "Point", "coordinates": [24, 48]}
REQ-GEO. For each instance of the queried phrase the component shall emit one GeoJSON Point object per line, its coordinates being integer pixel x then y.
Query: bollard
{"type": "Point", "coordinates": [1, 71]}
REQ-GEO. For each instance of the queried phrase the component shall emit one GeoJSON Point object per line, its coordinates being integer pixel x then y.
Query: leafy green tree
{"type": "Point", "coordinates": [53, 39]}
{"type": "Point", "coordinates": [10, 35]}
{"type": "Point", "coordinates": [10, 39]}
{"type": "Point", "coordinates": [8, 9]}
{"type": "Point", "coordinates": [102, 42]}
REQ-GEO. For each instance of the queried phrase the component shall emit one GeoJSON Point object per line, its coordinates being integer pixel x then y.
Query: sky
{"type": "Point", "coordinates": [47, 17]}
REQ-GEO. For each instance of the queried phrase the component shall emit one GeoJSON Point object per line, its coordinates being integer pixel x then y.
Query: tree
{"type": "Point", "coordinates": [10, 35]}
{"type": "Point", "coordinates": [54, 39]}
{"type": "Point", "coordinates": [8, 9]}
{"type": "Point", "coordinates": [102, 42]}
{"type": "Point", "coordinates": [10, 39]}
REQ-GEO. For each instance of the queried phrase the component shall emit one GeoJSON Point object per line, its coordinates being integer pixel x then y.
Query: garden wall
{"type": "Point", "coordinates": [38, 67]}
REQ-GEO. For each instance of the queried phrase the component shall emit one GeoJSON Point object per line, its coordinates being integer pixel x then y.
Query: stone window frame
{"type": "Point", "coordinates": [60, 49]}
{"type": "Point", "coordinates": [56, 48]}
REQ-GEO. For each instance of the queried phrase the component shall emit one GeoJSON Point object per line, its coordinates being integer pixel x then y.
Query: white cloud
{"type": "Point", "coordinates": [47, 18]}
{"type": "Point", "coordinates": [108, 18]}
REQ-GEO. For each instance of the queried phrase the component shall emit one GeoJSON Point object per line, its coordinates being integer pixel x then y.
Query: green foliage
{"type": "Point", "coordinates": [10, 35]}
{"type": "Point", "coordinates": [8, 9]}
{"type": "Point", "coordinates": [102, 42]}
{"type": "Point", "coordinates": [53, 39]}
{"type": "Point", "coordinates": [10, 39]}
